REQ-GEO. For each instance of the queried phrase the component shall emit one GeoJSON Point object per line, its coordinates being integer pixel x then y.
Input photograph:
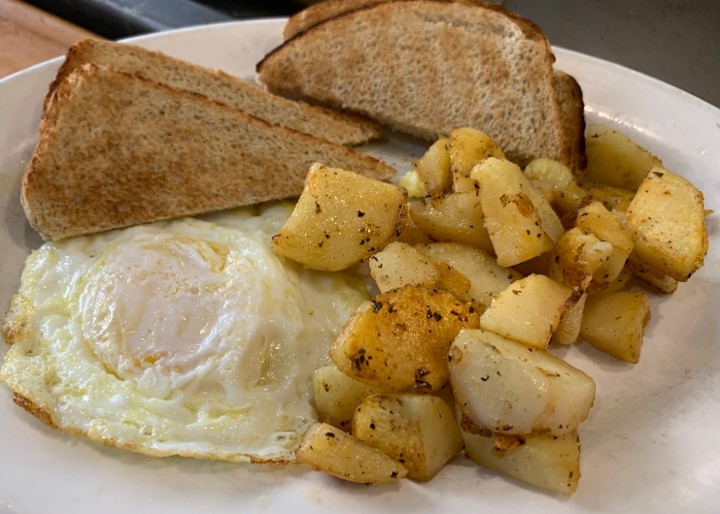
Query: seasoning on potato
{"type": "Point", "coordinates": [400, 340]}
{"type": "Point", "coordinates": [480, 269]}
{"type": "Point", "coordinates": [340, 219]}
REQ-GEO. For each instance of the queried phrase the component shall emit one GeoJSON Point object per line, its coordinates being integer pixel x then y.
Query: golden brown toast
{"type": "Point", "coordinates": [334, 126]}
{"type": "Point", "coordinates": [425, 67]}
{"type": "Point", "coordinates": [117, 150]}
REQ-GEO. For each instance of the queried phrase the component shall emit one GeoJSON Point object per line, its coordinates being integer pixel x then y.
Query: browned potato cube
{"type": "Point", "coordinates": [329, 449]}
{"type": "Point", "coordinates": [341, 218]}
{"type": "Point", "coordinates": [543, 460]}
{"type": "Point", "coordinates": [419, 431]}
{"type": "Point", "coordinates": [504, 386]}
{"type": "Point", "coordinates": [456, 217]}
{"type": "Point", "coordinates": [613, 198]}
{"type": "Point", "coordinates": [338, 395]}
{"type": "Point", "coordinates": [549, 220]}
{"type": "Point", "coordinates": [511, 218]}
{"type": "Point", "coordinates": [465, 185]}
{"type": "Point", "coordinates": [400, 264]}
{"type": "Point", "coordinates": [411, 234]}
{"type": "Point", "coordinates": [622, 280]}
{"type": "Point", "coordinates": [539, 265]}
{"type": "Point", "coordinates": [433, 168]}
{"type": "Point", "coordinates": [614, 159]}
{"type": "Point", "coordinates": [661, 282]}
{"type": "Point", "coordinates": [486, 278]}
{"type": "Point", "coordinates": [568, 330]}
{"type": "Point", "coordinates": [528, 310]}
{"type": "Point", "coordinates": [615, 323]}
{"type": "Point", "coordinates": [578, 256]}
{"type": "Point", "coordinates": [594, 218]}
{"type": "Point", "coordinates": [469, 146]}
{"type": "Point", "coordinates": [452, 281]}
{"type": "Point", "coordinates": [400, 341]}
{"type": "Point", "coordinates": [567, 195]}
{"type": "Point", "coordinates": [667, 216]}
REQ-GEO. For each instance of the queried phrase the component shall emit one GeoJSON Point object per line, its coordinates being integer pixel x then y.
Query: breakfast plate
{"type": "Point", "coordinates": [650, 444]}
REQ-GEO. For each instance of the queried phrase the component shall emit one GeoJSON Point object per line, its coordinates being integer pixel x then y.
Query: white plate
{"type": "Point", "coordinates": [651, 443]}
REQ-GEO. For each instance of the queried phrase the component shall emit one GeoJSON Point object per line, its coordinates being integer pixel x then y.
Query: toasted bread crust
{"type": "Point", "coordinates": [145, 152]}
{"type": "Point", "coordinates": [570, 97]}
{"type": "Point", "coordinates": [473, 65]}
{"type": "Point", "coordinates": [322, 11]}
{"type": "Point", "coordinates": [332, 125]}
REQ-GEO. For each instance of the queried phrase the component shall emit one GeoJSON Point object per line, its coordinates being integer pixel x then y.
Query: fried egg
{"type": "Point", "coordinates": [189, 337]}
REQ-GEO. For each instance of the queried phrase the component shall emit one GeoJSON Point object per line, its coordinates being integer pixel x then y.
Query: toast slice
{"type": "Point", "coordinates": [117, 150]}
{"type": "Point", "coordinates": [572, 107]}
{"type": "Point", "coordinates": [334, 126]}
{"type": "Point", "coordinates": [321, 11]}
{"type": "Point", "coordinates": [425, 67]}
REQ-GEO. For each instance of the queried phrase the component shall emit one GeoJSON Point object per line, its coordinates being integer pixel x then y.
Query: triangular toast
{"type": "Point", "coordinates": [425, 67]}
{"type": "Point", "coordinates": [337, 127]}
{"type": "Point", "coordinates": [117, 150]}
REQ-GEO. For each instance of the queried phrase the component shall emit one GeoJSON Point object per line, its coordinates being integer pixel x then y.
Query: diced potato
{"type": "Point", "coordinates": [594, 218]}
{"type": "Point", "coordinates": [505, 386]}
{"type": "Point", "coordinates": [613, 198]}
{"type": "Point", "coordinates": [419, 431]}
{"type": "Point", "coordinates": [465, 185]}
{"type": "Point", "coordinates": [514, 226]}
{"type": "Point", "coordinates": [469, 146]}
{"type": "Point", "coordinates": [446, 395]}
{"type": "Point", "coordinates": [667, 216]}
{"type": "Point", "coordinates": [340, 218]}
{"type": "Point", "coordinates": [400, 264]}
{"type": "Point", "coordinates": [615, 323]}
{"type": "Point", "coordinates": [411, 234]}
{"type": "Point", "coordinates": [622, 280]}
{"type": "Point", "coordinates": [567, 194]}
{"type": "Point", "coordinates": [329, 449]}
{"type": "Point", "coordinates": [544, 189]}
{"type": "Point", "coordinates": [578, 256]}
{"type": "Point", "coordinates": [338, 395]}
{"type": "Point", "coordinates": [433, 168]}
{"type": "Point", "coordinates": [539, 265]}
{"type": "Point", "coordinates": [528, 310]}
{"type": "Point", "coordinates": [452, 281]}
{"type": "Point", "coordinates": [614, 159]}
{"type": "Point", "coordinates": [658, 280]}
{"type": "Point", "coordinates": [456, 217]}
{"type": "Point", "coordinates": [549, 221]}
{"type": "Point", "coordinates": [568, 330]}
{"type": "Point", "coordinates": [543, 460]}
{"type": "Point", "coordinates": [487, 279]}
{"type": "Point", "coordinates": [400, 341]}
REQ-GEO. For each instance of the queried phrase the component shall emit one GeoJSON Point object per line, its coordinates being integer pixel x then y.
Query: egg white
{"type": "Point", "coordinates": [188, 337]}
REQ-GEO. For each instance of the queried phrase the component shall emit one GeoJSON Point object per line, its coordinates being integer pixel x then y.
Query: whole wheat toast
{"type": "Point", "coordinates": [334, 126]}
{"type": "Point", "coordinates": [427, 66]}
{"type": "Point", "coordinates": [321, 11]}
{"type": "Point", "coordinates": [117, 150]}
{"type": "Point", "coordinates": [572, 106]}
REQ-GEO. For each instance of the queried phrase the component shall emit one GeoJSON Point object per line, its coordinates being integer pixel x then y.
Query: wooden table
{"type": "Point", "coordinates": [29, 35]}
